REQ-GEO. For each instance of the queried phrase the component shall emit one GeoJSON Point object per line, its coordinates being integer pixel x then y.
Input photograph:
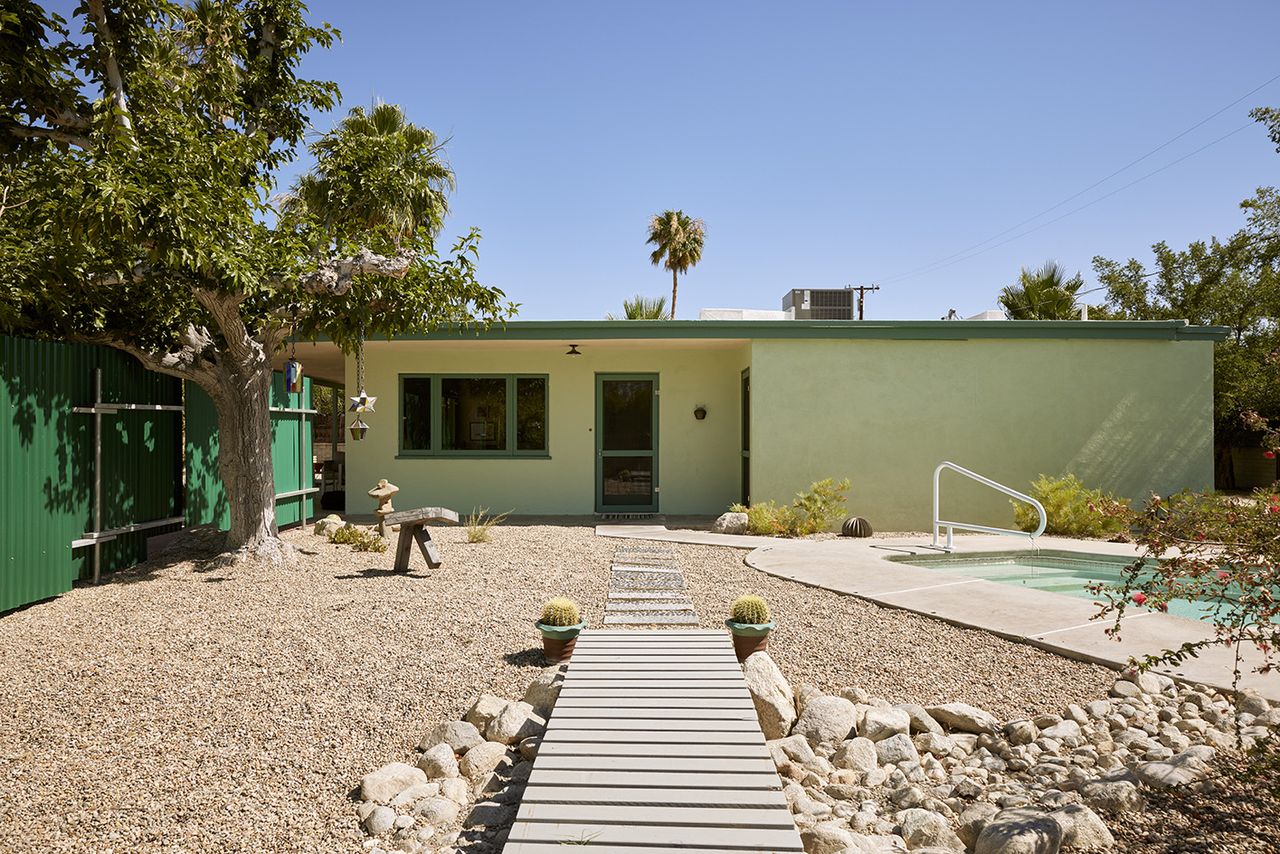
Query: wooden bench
{"type": "Point", "coordinates": [413, 528]}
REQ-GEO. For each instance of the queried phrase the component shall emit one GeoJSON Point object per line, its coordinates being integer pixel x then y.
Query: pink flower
{"type": "Point", "coordinates": [1139, 598]}
{"type": "Point", "coordinates": [1223, 575]}
{"type": "Point", "coordinates": [1271, 455]}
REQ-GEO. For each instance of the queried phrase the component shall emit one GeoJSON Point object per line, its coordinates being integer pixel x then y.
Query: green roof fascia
{"type": "Point", "coordinates": [923, 330]}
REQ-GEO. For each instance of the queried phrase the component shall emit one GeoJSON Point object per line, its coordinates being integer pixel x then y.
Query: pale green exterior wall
{"type": "Point", "coordinates": [1129, 416]}
{"type": "Point", "coordinates": [699, 461]}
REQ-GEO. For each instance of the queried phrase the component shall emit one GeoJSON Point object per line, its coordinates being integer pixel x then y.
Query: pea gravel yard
{"type": "Point", "coordinates": [189, 706]}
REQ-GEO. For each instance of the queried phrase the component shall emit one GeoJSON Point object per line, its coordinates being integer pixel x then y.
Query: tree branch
{"type": "Point", "coordinates": [336, 275]}
{"type": "Point", "coordinates": [106, 44]}
{"type": "Point", "coordinates": [193, 361]}
{"type": "Point", "coordinates": [32, 132]}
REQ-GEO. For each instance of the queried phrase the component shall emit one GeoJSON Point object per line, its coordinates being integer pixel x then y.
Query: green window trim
{"type": "Point", "coordinates": [436, 431]}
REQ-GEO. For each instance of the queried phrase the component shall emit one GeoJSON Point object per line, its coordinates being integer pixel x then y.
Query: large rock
{"type": "Point", "coordinates": [1020, 831]}
{"type": "Point", "coordinates": [484, 710]}
{"type": "Point", "coordinates": [328, 526]}
{"type": "Point", "coordinates": [921, 721]}
{"type": "Point", "coordinates": [1250, 702]}
{"type": "Point", "coordinates": [481, 760]}
{"type": "Point", "coordinates": [879, 724]}
{"type": "Point", "coordinates": [455, 790]}
{"type": "Point", "coordinates": [438, 811]}
{"type": "Point", "coordinates": [775, 703]}
{"type": "Point", "coordinates": [1068, 732]}
{"type": "Point", "coordinates": [972, 819]}
{"type": "Point", "coordinates": [856, 754]}
{"type": "Point", "coordinates": [460, 735]}
{"type": "Point", "coordinates": [795, 749]}
{"type": "Point", "coordinates": [390, 780]}
{"type": "Point", "coordinates": [923, 828]}
{"type": "Point", "coordinates": [516, 722]}
{"type": "Point", "coordinates": [877, 844]}
{"type": "Point", "coordinates": [829, 837]}
{"type": "Point", "coordinates": [379, 821]}
{"type": "Point", "coordinates": [961, 717]}
{"type": "Point", "coordinates": [730, 523]}
{"type": "Point", "coordinates": [1113, 796]}
{"type": "Point", "coordinates": [827, 720]}
{"type": "Point", "coordinates": [439, 762]}
{"type": "Point", "coordinates": [1176, 771]}
{"type": "Point", "coordinates": [1082, 830]}
{"type": "Point", "coordinates": [897, 749]}
{"type": "Point", "coordinates": [543, 691]}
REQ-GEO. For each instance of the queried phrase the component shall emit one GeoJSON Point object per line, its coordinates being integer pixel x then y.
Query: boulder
{"type": "Point", "coordinates": [455, 790]}
{"type": "Point", "coordinates": [972, 819]}
{"type": "Point", "coordinates": [831, 837]}
{"type": "Point", "coordinates": [413, 794]}
{"type": "Point", "coordinates": [921, 721]}
{"type": "Point", "coordinates": [544, 690]}
{"type": "Point", "coordinates": [1250, 702]}
{"type": "Point", "coordinates": [961, 717]}
{"type": "Point", "coordinates": [390, 780]}
{"type": "Point", "coordinates": [438, 811]}
{"type": "Point", "coordinates": [1176, 771]}
{"type": "Point", "coordinates": [795, 748]}
{"type": "Point", "coordinates": [1067, 731]}
{"type": "Point", "coordinates": [1082, 830]}
{"type": "Point", "coordinates": [1123, 689]}
{"type": "Point", "coordinates": [481, 760]}
{"type": "Point", "coordinates": [328, 526]}
{"type": "Point", "coordinates": [516, 722]}
{"type": "Point", "coordinates": [923, 828]}
{"type": "Point", "coordinates": [1113, 796]}
{"type": "Point", "coordinates": [856, 754]}
{"type": "Point", "coordinates": [1021, 732]}
{"type": "Point", "coordinates": [730, 523]}
{"type": "Point", "coordinates": [897, 749]}
{"type": "Point", "coordinates": [876, 844]}
{"type": "Point", "coordinates": [459, 735]}
{"type": "Point", "coordinates": [935, 744]}
{"type": "Point", "coordinates": [1020, 831]}
{"type": "Point", "coordinates": [485, 708]}
{"type": "Point", "coordinates": [774, 702]}
{"type": "Point", "coordinates": [879, 724]}
{"type": "Point", "coordinates": [439, 762]}
{"type": "Point", "coordinates": [827, 720]}
{"type": "Point", "coordinates": [379, 821]}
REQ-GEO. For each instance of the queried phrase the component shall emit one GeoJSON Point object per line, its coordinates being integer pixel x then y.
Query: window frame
{"type": "Point", "coordinates": [437, 402]}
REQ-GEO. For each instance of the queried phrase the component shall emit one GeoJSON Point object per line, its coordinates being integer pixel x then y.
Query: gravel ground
{"type": "Point", "coordinates": [187, 707]}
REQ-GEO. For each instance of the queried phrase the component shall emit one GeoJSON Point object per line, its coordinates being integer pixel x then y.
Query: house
{"type": "Point", "coordinates": [690, 416]}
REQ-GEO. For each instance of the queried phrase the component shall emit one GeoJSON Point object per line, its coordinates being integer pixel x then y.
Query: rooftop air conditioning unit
{"type": "Point", "coordinates": [821, 303]}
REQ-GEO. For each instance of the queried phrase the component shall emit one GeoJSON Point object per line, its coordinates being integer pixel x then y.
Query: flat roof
{"type": "Point", "coordinates": [926, 330]}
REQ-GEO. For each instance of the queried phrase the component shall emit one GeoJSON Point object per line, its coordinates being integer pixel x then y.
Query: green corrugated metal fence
{"type": "Point", "coordinates": [46, 463]}
{"type": "Point", "coordinates": [206, 502]}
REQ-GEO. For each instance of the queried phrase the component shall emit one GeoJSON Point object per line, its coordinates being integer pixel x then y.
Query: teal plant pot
{"type": "Point", "coordinates": [749, 638]}
{"type": "Point", "coordinates": [558, 641]}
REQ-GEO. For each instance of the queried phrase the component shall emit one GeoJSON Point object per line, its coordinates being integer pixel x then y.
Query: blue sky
{"type": "Point", "coordinates": [823, 144]}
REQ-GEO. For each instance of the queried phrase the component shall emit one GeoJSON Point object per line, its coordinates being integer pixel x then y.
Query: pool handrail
{"type": "Point", "coordinates": [968, 526]}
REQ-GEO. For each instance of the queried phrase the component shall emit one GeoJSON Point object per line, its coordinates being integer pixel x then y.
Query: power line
{"type": "Point", "coordinates": [939, 265]}
{"type": "Point", "coordinates": [1092, 186]}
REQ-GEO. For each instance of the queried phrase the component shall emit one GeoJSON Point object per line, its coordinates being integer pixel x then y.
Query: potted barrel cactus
{"type": "Point", "coordinates": [749, 621]}
{"type": "Point", "coordinates": [560, 623]}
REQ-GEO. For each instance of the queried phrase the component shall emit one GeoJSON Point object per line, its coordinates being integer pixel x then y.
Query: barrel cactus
{"type": "Point", "coordinates": [560, 612]}
{"type": "Point", "coordinates": [749, 610]}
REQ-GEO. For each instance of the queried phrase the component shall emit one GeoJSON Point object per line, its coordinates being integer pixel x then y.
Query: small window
{"type": "Point", "coordinates": [531, 413]}
{"type": "Point", "coordinates": [473, 414]}
{"type": "Point", "coordinates": [415, 414]}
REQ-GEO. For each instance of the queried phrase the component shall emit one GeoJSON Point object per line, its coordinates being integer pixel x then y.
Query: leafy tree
{"type": "Point", "coordinates": [138, 165]}
{"type": "Point", "coordinates": [1043, 294]}
{"type": "Point", "coordinates": [642, 308]}
{"type": "Point", "coordinates": [678, 239]}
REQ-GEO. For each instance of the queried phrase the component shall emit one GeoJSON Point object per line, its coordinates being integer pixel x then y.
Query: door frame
{"type": "Point", "coordinates": [600, 452]}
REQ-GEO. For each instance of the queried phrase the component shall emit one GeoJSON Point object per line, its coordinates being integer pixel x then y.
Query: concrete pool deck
{"type": "Point", "coordinates": [1052, 621]}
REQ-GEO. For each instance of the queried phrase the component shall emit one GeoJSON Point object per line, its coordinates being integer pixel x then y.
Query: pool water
{"type": "Point", "coordinates": [1057, 572]}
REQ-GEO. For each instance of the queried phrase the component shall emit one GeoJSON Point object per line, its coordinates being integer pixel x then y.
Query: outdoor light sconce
{"type": "Point", "coordinates": [700, 412]}
{"type": "Point", "coordinates": [573, 350]}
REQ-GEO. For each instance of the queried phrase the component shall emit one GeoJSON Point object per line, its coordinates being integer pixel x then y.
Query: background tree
{"type": "Point", "coordinates": [678, 238]}
{"type": "Point", "coordinates": [1043, 294]}
{"type": "Point", "coordinates": [642, 308]}
{"type": "Point", "coordinates": [138, 164]}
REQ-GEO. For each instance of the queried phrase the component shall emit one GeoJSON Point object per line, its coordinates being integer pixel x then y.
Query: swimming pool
{"type": "Point", "coordinates": [1069, 573]}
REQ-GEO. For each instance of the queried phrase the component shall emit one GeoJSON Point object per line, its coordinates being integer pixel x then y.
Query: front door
{"type": "Point", "coordinates": [626, 443]}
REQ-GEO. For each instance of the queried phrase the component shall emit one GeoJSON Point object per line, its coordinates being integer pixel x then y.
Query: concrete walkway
{"type": "Point", "coordinates": [1052, 621]}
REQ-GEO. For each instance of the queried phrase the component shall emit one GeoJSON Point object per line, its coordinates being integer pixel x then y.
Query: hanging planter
{"type": "Point", "coordinates": [560, 623]}
{"type": "Point", "coordinates": [750, 624]}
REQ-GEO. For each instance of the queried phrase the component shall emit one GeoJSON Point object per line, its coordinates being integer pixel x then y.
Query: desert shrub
{"type": "Point", "coordinates": [1072, 509]}
{"type": "Point", "coordinates": [479, 522]}
{"type": "Point", "coordinates": [814, 510]}
{"type": "Point", "coordinates": [560, 612]}
{"type": "Point", "coordinates": [360, 539]}
{"type": "Point", "coordinates": [750, 610]}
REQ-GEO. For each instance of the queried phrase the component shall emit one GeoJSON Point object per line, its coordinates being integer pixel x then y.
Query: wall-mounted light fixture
{"type": "Point", "coordinates": [700, 412]}
{"type": "Point", "coordinates": [573, 350]}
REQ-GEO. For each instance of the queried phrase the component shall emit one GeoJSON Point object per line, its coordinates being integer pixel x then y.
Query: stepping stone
{"type": "Point", "coordinates": [674, 584]}
{"type": "Point", "coordinates": [625, 567]}
{"type": "Point", "coordinates": [649, 606]}
{"type": "Point", "coordinates": [643, 595]}
{"type": "Point", "coordinates": [651, 620]}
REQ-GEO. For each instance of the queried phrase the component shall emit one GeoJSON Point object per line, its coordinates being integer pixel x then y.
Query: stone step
{"type": "Point", "coordinates": [631, 567]}
{"type": "Point", "coordinates": [643, 595]}
{"type": "Point", "coordinates": [650, 606]}
{"type": "Point", "coordinates": [639, 619]}
{"type": "Point", "coordinates": [640, 585]}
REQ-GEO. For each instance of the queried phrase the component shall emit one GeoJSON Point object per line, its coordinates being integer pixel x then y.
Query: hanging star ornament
{"type": "Point", "coordinates": [363, 402]}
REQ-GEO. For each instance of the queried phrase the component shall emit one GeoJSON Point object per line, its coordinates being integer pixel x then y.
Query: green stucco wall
{"type": "Point", "coordinates": [699, 461]}
{"type": "Point", "coordinates": [1129, 416]}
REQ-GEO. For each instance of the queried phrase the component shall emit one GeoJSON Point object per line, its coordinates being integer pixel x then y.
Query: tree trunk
{"type": "Point", "coordinates": [242, 397]}
{"type": "Point", "coordinates": [673, 294]}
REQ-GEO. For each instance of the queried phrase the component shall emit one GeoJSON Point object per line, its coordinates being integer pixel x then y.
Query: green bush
{"type": "Point", "coordinates": [1072, 509]}
{"type": "Point", "coordinates": [360, 539]}
{"type": "Point", "coordinates": [560, 612]}
{"type": "Point", "coordinates": [816, 510]}
{"type": "Point", "coordinates": [749, 610]}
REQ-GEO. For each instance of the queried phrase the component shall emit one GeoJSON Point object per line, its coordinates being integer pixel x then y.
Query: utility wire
{"type": "Point", "coordinates": [938, 265]}
{"type": "Point", "coordinates": [1092, 186]}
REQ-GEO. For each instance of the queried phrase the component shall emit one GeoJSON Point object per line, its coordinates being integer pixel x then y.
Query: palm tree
{"type": "Point", "coordinates": [678, 238]}
{"type": "Point", "coordinates": [1044, 294]}
{"type": "Point", "coordinates": [395, 202]}
{"type": "Point", "coordinates": [642, 308]}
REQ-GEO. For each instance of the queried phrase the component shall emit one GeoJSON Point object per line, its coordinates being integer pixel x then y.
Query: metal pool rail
{"type": "Point", "coordinates": [969, 526]}
{"type": "Point", "coordinates": [653, 745]}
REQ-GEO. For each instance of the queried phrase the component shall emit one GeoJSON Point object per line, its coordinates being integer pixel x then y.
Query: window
{"type": "Point", "coordinates": [484, 415]}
